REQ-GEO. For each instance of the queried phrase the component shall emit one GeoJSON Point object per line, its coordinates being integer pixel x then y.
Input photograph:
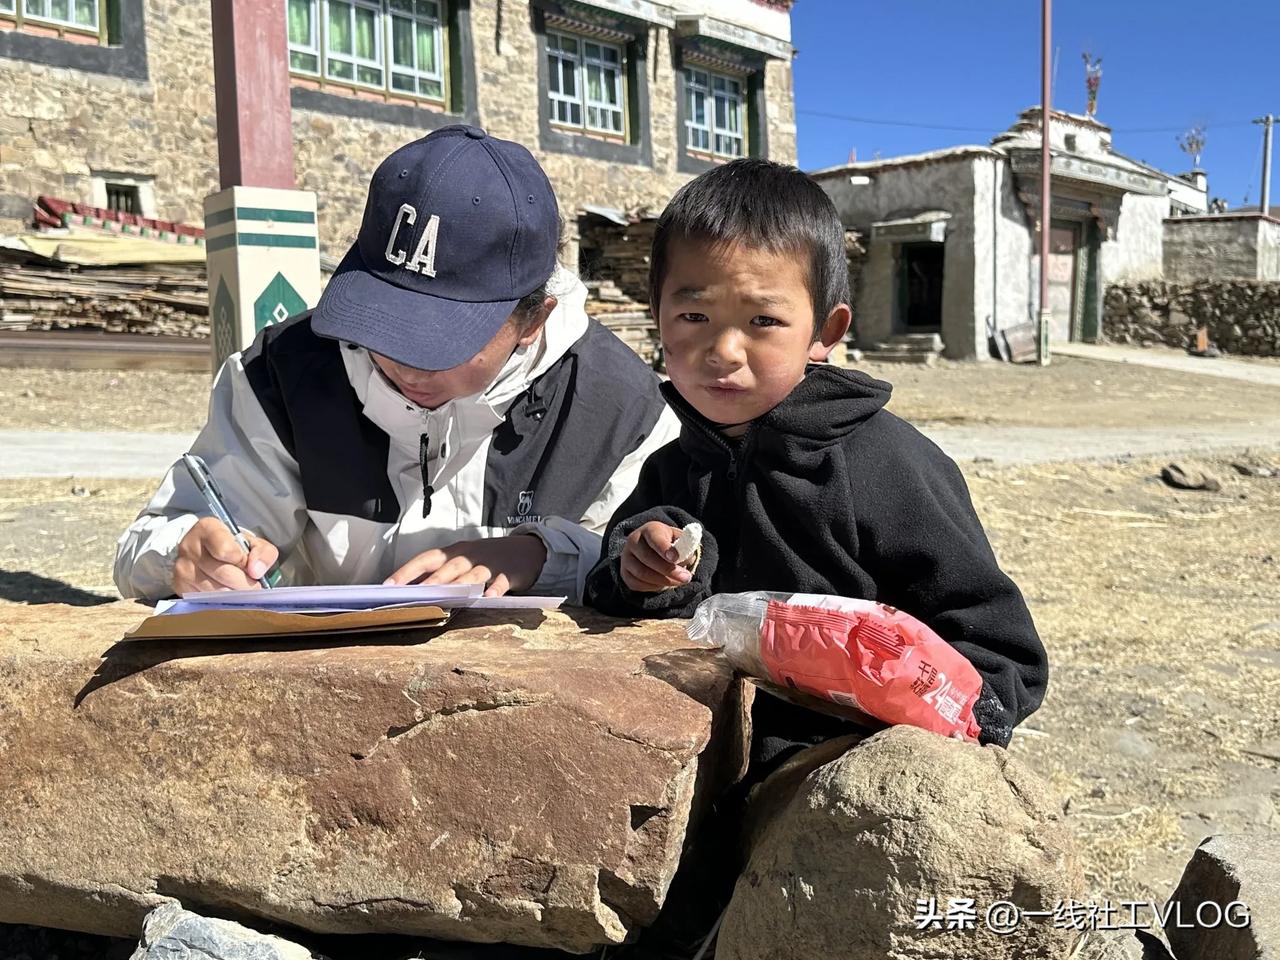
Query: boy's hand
{"type": "Point", "coordinates": [503, 563]}
{"type": "Point", "coordinates": [210, 559]}
{"type": "Point", "coordinates": [649, 559]}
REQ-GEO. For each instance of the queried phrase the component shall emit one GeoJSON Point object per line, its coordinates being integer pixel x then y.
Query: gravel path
{"type": "Point", "coordinates": [76, 453]}
{"type": "Point", "coordinates": [47, 453]}
{"type": "Point", "coordinates": [1253, 370]}
{"type": "Point", "coordinates": [1070, 392]}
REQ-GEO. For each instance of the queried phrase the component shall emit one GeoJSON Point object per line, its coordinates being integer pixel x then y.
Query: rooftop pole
{"type": "Point", "coordinates": [1267, 122]}
{"type": "Point", "coordinates": [1046, 108]}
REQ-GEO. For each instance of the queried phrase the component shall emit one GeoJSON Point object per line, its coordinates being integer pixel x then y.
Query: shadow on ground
{"type": "Point", "coordinates": [22, 586]}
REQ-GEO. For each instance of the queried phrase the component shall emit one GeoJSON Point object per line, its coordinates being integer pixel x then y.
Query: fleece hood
{"type": "Point", "coordinates": [824, 408]}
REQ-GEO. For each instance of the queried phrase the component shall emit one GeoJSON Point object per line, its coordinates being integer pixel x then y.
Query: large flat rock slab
{"type": "Point", "coordinates": [529, 781]}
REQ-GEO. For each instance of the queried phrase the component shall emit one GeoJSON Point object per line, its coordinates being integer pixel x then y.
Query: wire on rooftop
{"type": "Point", "coordinates": [880, 122]}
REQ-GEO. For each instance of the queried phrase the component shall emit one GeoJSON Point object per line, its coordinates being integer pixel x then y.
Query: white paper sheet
{"type": "Point", "coordinates": [214, 600]}
{"type": "Point", "coordinates": [361, 596]}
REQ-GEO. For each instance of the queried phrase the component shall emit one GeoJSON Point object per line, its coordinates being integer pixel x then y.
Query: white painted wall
{"type": "Point", "coordinates": [1188, 194]}
{"type": "Point", "coordinates": [743, 13]}
{"type": "Point", "coordinates": [1268, 250]}
{"type": "Point", "coordinates": [1003, 245]}
{"type": "Point", "coordinates": [903, 190]}
{"type": "Point", "coordinates": [1137, 250]}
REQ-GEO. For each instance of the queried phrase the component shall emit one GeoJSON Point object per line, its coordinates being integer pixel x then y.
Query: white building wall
{"type": "Point", "coordinates": [1137, 250]}
{"type": "Point", "coordinates": [770, 21]}
{"type": "Point", "coordinates": [903, 190]}
{"type": "Point", "coordinates": [1003, 248]}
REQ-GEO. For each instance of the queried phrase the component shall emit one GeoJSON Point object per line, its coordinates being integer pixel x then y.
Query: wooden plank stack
{"type": "Point", "coordinates": [39, 294]}
{"type": "Point", "coordinates": [615, 263]}
{"type": "Point", "coordinates": [617, 252]}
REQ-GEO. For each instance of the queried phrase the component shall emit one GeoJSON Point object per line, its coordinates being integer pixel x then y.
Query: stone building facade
{"type": "Point", "coordinates": [113, 104]}
{"type": "Point", "coordinates": [952, 248]}
{"type": "Point", "coordinates": [1241, 245]}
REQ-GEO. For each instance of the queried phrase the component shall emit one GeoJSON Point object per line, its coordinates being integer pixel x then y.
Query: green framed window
{"type": "Point", "coordinates": [395, 46]}
{"type": "Point", "coordinates": [584, 83]}
{"type": "Point", "coordinates": [86, 15]}
{"type": "Point", "coordinates": [72, 19]}
{"type": "Point", "coordinates": [715, 113]}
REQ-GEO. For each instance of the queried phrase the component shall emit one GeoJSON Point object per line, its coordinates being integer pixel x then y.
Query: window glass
{"type": "Point", "coordinates": [717, 129]}
{"type": "Point", "coordinates": [395, 45]}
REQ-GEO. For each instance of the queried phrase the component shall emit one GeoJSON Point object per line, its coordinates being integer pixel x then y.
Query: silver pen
{"type": "Point", "coordinates": [203, 480]}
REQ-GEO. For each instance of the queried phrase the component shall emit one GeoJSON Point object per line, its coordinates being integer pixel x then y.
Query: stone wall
{"type": "Point", "coordinates": [1243, 316]}
{"type": "Point", "coordinates": [59, 125]}
{"type": "Point", "coordinates": [1241, 245]}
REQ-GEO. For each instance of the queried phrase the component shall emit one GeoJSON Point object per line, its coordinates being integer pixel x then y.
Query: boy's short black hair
{"type": "Point", "coordinates": [763, 204]}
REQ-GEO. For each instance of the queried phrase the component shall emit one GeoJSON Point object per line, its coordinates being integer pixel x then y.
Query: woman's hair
{"type": "Point", "coordinates": [526, 310]}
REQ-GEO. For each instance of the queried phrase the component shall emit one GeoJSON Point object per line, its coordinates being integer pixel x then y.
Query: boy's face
{"type": "Point", "coordinates": [737, 328]}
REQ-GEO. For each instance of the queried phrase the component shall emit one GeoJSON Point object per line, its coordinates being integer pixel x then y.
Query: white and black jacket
{"type": "Point", "coordinates": [317, 452]}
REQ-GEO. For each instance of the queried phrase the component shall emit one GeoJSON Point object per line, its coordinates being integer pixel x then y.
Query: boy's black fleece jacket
{"type": "Point", "coordinates": [830, 493]}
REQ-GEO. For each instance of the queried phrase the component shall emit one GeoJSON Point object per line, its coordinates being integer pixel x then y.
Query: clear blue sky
{"type": "Point", "coordinates": [1167, 64]}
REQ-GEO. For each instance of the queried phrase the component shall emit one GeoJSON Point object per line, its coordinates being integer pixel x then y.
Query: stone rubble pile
{"type": "Point", "coordinates": [1242, 316]}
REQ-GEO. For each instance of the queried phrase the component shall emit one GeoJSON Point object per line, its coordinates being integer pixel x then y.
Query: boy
{"type": "Point", "coordinates": [802, 480]}
{"type": "Point", "coordinates": [448, 411]}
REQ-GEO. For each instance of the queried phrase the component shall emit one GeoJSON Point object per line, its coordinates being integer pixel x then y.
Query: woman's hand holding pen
{"type": "Point", "coordinates": [210, 559]}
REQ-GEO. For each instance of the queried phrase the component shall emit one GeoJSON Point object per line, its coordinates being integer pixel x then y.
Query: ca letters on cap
{"type": "Point", "coordinates": [424, 257]}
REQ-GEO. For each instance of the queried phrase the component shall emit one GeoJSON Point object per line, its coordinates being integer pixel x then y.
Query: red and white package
{"type": "Point", "coordinates": [857, 654]}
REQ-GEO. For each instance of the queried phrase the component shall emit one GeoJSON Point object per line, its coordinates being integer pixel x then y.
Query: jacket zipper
{"type": "Point", "coordinates": [738, 479]}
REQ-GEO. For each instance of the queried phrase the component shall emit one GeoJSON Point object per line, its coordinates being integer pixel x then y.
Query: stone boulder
{"type": "Point", "coordinates": [1227, 904]}
{"type": "Point", "coordinates": [903, 822]}
{"type": "Point", "coordinates": [527, 778]}
{"type": "Point", "coordinates": [1103, 944]}
{"type": "Point", "coordinates": [171, 933]}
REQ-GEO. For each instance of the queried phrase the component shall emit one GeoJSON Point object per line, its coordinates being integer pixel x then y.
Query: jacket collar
{"type": "Point", "coordinates": [481, 412]}
{"type": "Point", "coordinates": [824, 407]}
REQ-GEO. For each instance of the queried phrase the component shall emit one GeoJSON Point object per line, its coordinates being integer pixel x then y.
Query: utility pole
{"type": "Point", "coordinates": [1046, 107]}
{"type": "Point", "coordinates": [260, 232]}
{"type": "Point", "coordinates": [1267, 122]}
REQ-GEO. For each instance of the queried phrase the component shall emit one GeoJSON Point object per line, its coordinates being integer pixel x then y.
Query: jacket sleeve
{"type": "Point", "coordinates": [926, 549]}
{"type": "Point", "coordinates": [255, 473]}
{"type": "Point", "coordinates": [574, 548]}
{"type": "Point", "coordinates": [605, 590]}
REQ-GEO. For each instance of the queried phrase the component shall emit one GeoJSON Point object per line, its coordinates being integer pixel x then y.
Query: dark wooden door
{"type": "Point", "coordinates": [1064, 260]}
{"type": "Point", "coordinates": [922, 287]}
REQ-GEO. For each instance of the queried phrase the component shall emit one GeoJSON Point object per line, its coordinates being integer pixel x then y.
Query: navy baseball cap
{"type": "Point", "coordinates": [458, 228]}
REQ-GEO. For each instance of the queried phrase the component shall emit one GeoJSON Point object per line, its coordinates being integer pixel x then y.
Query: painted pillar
{"type": "Point", "coordinates": [260, 233]}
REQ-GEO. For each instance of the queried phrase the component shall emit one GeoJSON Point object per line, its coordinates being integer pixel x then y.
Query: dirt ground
{"type": "Point", "coordinates": [58, 536]}
{"type": "Point", "coordinates": [1070, 392]}
{"type": "Point", "coordinates": [1160, 609]}
{"type": "Point", "coordinates": [144, 400]}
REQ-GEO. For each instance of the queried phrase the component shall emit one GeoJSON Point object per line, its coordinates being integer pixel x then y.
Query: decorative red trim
{"type": "Point", "coordinates": [49, 212]}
